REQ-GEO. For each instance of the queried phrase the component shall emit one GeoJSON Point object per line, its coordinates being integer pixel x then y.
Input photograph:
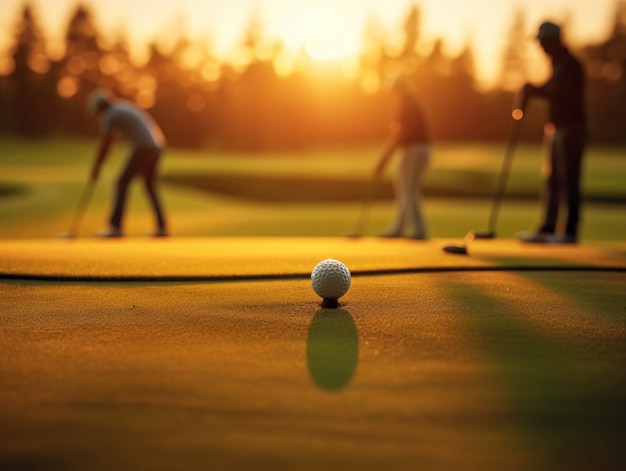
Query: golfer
{"type": "Point", "coordinates": [564, 92]}
{"type": "Point", "coordinates": [125, 119]}
{"type": "Point", "coordinates": [409, 132]}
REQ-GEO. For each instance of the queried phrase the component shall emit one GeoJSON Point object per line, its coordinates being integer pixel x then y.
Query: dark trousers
{"type": "Point", "coordinates": [142, 162]}
{"type": "Point", "coordinates": [563, 180]}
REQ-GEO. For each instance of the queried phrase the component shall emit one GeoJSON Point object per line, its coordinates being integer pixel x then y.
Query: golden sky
{"type": "Point", "coordinates": [310, 23]}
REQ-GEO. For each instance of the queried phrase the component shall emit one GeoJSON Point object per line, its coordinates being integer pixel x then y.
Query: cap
{"type": "Point", "coordinates": [549, 30]}
{"type": "Point", "coordinates": [97, 98]}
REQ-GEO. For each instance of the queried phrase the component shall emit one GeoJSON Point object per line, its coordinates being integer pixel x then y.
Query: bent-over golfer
{"type": "Point", "coordinates": [564, 91]}
{"type": "Point", "coordinates": [410, 133]}
{"type": "Point", "coordinates": [123, 118]}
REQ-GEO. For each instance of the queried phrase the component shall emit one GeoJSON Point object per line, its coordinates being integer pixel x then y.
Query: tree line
{"type": "Point", "coordinates": [253, 105]}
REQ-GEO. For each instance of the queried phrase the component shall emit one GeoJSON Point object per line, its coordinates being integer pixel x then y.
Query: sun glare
{"type": "Point", "coordinates": [322, 31]}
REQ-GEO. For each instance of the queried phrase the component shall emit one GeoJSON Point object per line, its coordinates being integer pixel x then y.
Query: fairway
{"type": "Point", "coordinates": [315, 192]}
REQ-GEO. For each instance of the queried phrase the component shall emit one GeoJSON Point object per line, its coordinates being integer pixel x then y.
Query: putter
{"type": "Point", "coordinates": [363, 218]}
{"type": "Point", "coordinates": [83, 202]}
{"type": "Point", "coordinates": [461, 249]}
{"type": "Point", "coordinates": [511, 145]}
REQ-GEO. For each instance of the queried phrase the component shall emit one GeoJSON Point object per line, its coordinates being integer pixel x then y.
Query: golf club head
{"type": "Point", "coordinates": [456, 249]}
{"type": "Point", "coordinates": [65, 236]}
{"type": "Point", "coordinates": [489, 234]}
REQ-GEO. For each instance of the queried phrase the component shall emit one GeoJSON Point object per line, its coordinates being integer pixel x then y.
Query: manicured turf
{"type": "Point", "coordinates": [281, 257]}
{"type": "Point", "coordinates": [455, 369]}
{"type": "Point", "coordinates": [481, 371]}
{"type": "Point", "coordinates": [509, 358]}
{"type": "Point", "coordinates": [42, 182]}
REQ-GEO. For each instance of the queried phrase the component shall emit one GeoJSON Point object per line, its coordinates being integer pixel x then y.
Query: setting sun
{"type": "Point", "coordinates": [322, 31]}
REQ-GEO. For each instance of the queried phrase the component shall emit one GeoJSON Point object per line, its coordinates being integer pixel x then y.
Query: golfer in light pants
{"type": "Point", "coordinates": [410, 133]}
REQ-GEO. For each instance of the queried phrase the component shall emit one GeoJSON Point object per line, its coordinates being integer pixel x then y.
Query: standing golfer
{"type": "Point", "coordinates": [120, 117]}
{"type": "Point", "coordinates": [565, 94]}
{"type": "Point", "coordinates": [409, 132]}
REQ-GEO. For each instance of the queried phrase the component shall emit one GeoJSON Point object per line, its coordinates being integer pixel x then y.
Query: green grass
{"type": "Point", "coordinates": [484, 371]}
{"type": "Point", "coordinates": [312, 192]}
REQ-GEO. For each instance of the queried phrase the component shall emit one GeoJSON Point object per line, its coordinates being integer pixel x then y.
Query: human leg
{"type": "Point", "coordinates": [151, 158]}
{"type": "Point", "coordinates": [574, 146]}
{"type": "Point", "coordinates": [552, 187]}
{"type": "Point", "coordinates": [564, 180]}
{"type": "Point", "coordinates": [418, 158]}
{"type": "Point", "coordinates": [550, 194]}
{"type": "Point", "coordinates": [401, 185]}
{"type": "Point", "coordinates": [133, 167]}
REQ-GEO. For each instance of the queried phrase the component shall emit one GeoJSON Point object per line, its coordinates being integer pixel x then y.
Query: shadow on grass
{"type": "Point", "coordinates": [572, 411]}
{"type": "Point", "coordinates": [336, 188]}
{"type": "Point", "coordinates": [11, 189]}
{"type": "Point", "coordinates": [282, 189]}
{"type": "Point", "coordinates": [298, 188]}
{"type": "Point", "coordinates": [332, 349]}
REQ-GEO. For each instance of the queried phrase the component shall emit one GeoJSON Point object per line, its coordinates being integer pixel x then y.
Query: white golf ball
{"type": "Point", "coordinates": [330, 279]}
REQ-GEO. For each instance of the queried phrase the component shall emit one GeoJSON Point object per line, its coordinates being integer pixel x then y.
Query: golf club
{"type": "Point", "coordinates": [511, 145]}
{"type": "Point", "coordinates": [83, 202]}
{"type": "Point", "coordinates": [368, 197]}
{"type": "Point", "coordinates": [461, 249]}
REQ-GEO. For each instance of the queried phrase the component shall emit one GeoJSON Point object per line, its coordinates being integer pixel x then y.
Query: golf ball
{"type": "Point", "coordinates": [330, 279]}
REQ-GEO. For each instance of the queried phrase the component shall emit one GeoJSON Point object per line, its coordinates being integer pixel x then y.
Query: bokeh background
{"type": "Point", "coordinates": [271, 74]}
{"type": "Point", "coordinates": [245, 89]}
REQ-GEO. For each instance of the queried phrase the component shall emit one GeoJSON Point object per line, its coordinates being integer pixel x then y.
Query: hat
{"type": "Point", "coordinates": [97, 98]}
{"type": "Point", "coordinates": [549, 30]}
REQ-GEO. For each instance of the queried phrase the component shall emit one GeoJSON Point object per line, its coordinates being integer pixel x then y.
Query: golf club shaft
{"type": "Point", "coordinates": [82, 207]}
{"type": "Point", "coordinates": [511, 144]}
{"type": "Point", "coordinates": [365, 207]}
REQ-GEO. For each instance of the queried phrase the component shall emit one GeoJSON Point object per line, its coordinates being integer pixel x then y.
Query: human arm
{"type": "Point", "coordinates": [567, 77]}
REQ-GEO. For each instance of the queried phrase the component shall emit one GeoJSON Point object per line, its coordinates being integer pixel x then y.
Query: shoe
{"type": "Point", "coordinates": [561, 239]}
{"type": "Point", "coordinates": [161, 232]}
{"type": "Point", "coordinates": [390, 235]}
{"type": "Point", "coordinates": [112, 233]}
{"type": "Point", "coordinates": [534, 237]}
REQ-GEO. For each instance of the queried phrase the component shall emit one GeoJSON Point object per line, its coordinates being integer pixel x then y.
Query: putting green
{"type": "Point", "coordinates": [446, 367]}
{"type": "Point", "coordinates": [476, 371]}
{"type": "Point", "coordinates": [253, 257]}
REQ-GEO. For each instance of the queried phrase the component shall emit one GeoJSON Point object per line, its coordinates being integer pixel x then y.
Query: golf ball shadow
{"type": "Point", "coordinates": [332, 349]}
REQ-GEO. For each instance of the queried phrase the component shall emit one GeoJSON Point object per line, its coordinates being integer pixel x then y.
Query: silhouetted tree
{"type": "Point", "coordinates": [81, 37]}
{"type": "Point", "coordinates": [437, 63]}
{"type": "Point", "coordinates": [411, 28]}
{"type": "Point", "coordinates": [247, 104]}
{"type": "Point", "coordinates": [80, 68]}
{"type": "Point", "coordinates": [606, 66]}
{"type": "Point", "coordinates": [25, 84]}
{"type": "Point", "coordinates": [179, 99]}
{"type": "Point", "coordinates": [373, 57]}
{"type": "Point", "coordinates": [513, 73]}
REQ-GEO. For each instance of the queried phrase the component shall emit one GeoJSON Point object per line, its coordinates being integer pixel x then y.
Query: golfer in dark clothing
{"type": "Point", "coordinates": [147, 143]}
{"type": "Point", "coordinates": [565, 94]}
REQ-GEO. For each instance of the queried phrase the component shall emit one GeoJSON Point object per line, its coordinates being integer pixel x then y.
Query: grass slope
{"type": "Point", "coordinates": [313, 192]}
